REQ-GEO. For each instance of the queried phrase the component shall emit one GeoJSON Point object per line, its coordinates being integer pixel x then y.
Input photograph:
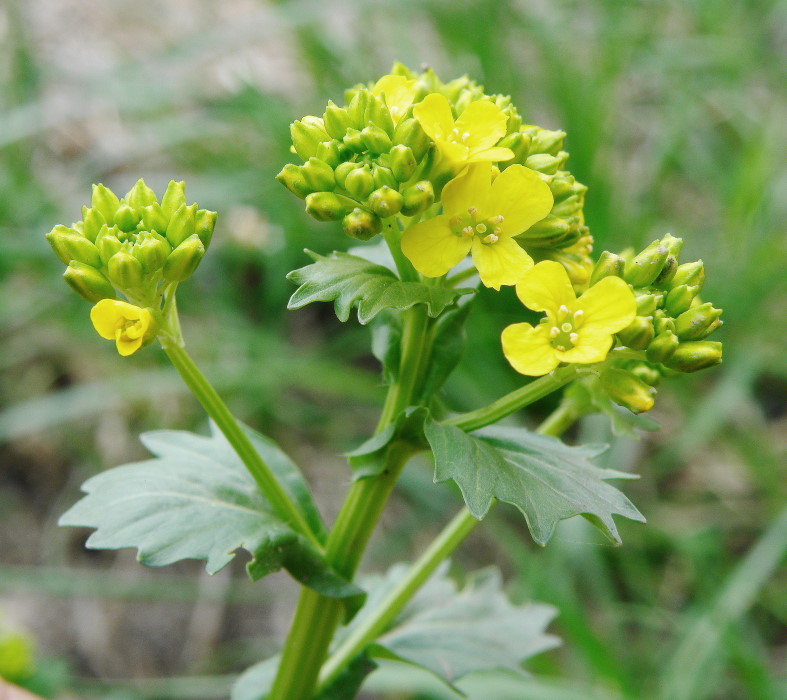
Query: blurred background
{"type": "Point", "coordinates": [675, 112]}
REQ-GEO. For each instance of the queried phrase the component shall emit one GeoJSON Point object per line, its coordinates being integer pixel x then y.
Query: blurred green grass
{"type": "Point", "coordinates": [676, 116]}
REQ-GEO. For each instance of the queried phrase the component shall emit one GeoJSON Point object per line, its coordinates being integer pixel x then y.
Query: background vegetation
{"type": "Point", "coordinates": [675, 112]}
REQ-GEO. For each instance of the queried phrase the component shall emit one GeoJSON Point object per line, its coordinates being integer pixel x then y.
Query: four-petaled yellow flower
{"type": "Point", "coordinates": [128, 325]}
{"type": "Point", "coordinates": [577, 330]}
{"type": "Point", "coordinates": [481, 217]}
{"type": "Point", "coordinates": [399, 94]}
{"type": "Point", "coordinates": [469, 139]}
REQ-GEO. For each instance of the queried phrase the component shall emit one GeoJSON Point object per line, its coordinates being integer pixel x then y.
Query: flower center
{"type": "Point", "coordinates": [455, 136]}
{"type": "Point", "coordinates": [468, 225]}
{"type": "Point", "coordinates": [563, 333]}
{"type": "Point", "coordinates": [129, 328]}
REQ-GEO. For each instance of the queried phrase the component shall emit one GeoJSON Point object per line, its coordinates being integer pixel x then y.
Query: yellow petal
{"type": "Point", "coordinates": [432, 248]}
{"type": "Point", "coordinates": [500, 263]}
{"type": "Point", "coordinates": [469, 188]}
{"type": "Point", "coordinates": [490, 154]}
{"type": "Point", "coordinates": [434, 115]}
{"type": "Point", "coordinates": [521, 197]}
{"type": "Point", "coordinates": [590, 348]}
{"type": "Point", "coordinates": [546, 287]}
{"type": "Point", "coordinates": [527, 349]}
{"type": "Point", "coordinates": [609, 306]}
{"type": "Point", "coordinates": [107, 316]}
{"type": "Point", "coordinates": [399, 93]}
{"type": "Point", "coordinates": [484, 123]}
{"type": "Point", "coordinates": [127, 346]}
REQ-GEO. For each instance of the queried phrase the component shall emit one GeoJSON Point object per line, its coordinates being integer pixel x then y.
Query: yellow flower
{"type": "Point", "coordinates": [482, 217]}
{"type": "Point", "coordinates": [469, 139]}
{"type": "Point", "coordinates": [399, 94]}
{"type": "Point", "coordinates": [577, 330]}
{"type": "Point", "coordinates": [128, 325]}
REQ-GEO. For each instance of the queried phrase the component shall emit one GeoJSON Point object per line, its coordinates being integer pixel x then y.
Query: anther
{"type": "Point", "coordinates": [472, 211]}
{"type": "Point", "coordinates": [497, 230]}
{"type": "Point", "coordinates": [491, 238]}
{"type": "Point", "coordinates": [578, 314]}
{"type": "Point", "coordinates": [467, 231]}
{"type": "Point", "coordinates": [497, 219]}
{"type": "Point", "coordinates": [454, 221]}
{"type": "Point", "coordinates": [562, 311]}
{"type": "Point", "coordinates": [554, 332]}
{"type": "Point", "coordinates": [573, 337]}
{"type": "Point", "coordinates": [562, 348]}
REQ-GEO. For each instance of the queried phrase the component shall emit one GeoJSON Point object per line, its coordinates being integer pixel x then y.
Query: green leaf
{"type": "Point", "coordinates": [348, 281]}
{"type": "Point", "coordinates": [195, 500]}
{"type": "Point", "coordinates": [452, 633]}
{"type": "Point", "coordinates": [545, 479]}
{"type": "Point", "coordinates": [387, 344]}
{"type": "Point", "coordinates": [590, 398]}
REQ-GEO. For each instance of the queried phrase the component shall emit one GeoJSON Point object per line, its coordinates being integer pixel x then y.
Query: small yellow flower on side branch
{"type": "Point", "coordinates": [469, 139]}
{"type": "Point", "coordinates": [128, 325]}
{"type": "Point", "coordinates": [575, 330]}
{"type": "Point", "coordinates": [399, 94]}
{"type": "Point", "coordinates": [481, 217]}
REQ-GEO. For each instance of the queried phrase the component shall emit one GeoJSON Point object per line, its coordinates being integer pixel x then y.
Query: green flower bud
{"type": "Point", "coordinates": [563, 185]}
{"type": "Point", "coordinates": [627, 390]}
{"type": "Point", "coordinates": [140, 195]}
{"type": "Point", "coordinates": [544, 163]}
{"type": "Point", "coordinates": [695, 355]}
{"type": "Point", "coordinates": [644, 372]}
{"type": "Point", "coordinates": [184, 260]}
{"type": "Point", "coordinates": [568, 206]}
{"type": "Point", "coordinates": [92, 221]}
{"type": "Point", "coordinates": [359, 182]}
{"type": "Point", "coordinates": [107, 242]}
{"type": "Point", "coordinates": [547, 232]}
{"type": "Point", "coordinates": [336, 121]}
{"type": "Point", "coordinates": [173, 198]}
{"type": "Point", "coordinates": [343, 170]}
{"type": "Point", "coordinates": [375, 140]}
{"type": "Point", "coordinates": [329, 152]}
{"type": "Point", "coordinates": [356, 110]}
{"type": "Point", "coordinates": [361, 224]}
{"type": "Point", "coordinates": [698, 322]}
{"type": "Point", "coordinates": [673, 244]}
{"type": "Point", "coordinates": [106, 201]}
{"type": "Point", "coordinates": [181, 225]}
{"type": "Point", "coordinates": [409, 133]}
{"type": "Point", "coordinates": [545, 141]}
{"type": "Point", "coordinates": [56, 238]}
{"type": "Point", "coordinates": [638, 334]}
{"type": "Point", "coordinates": [668, 271]}
{"type": "Point", "coordinates": [88, 282]}
{"type": "Point", "coordinates": [417, 198]}
{"type": "Point", "coordinates": [125, 271]}
{"type": "Point", "coordinates": [73, 246]}
{"type": "Point", "coordinates": [318, 175]}
{"type": "Point", "coordinates": [378, 114]}
{"type": "Point", "coordinates": [648, 303]}
{"type": "Point", "coordinates": [662, 347]}
{"type": "Point", "coordinates": [663, 323]}
{"type": "Point", "coordinates": [384, 177]}
{"type": "Point", "coordinates": [126, 218]}
{"type": "Point", "coordinates": [679, 299]}
{"type": "Point", "coordinates": [646, 266]}
{"type": "Point", "coordinates": [402, 162]}
{"type": "Point", "coordinates": [608, 265]}
{"type": "Point", "coordinates": [327, 206]}
{"type": "Point", "coordinates": [385, 201]}
{"type": "Point", "coordinates": [154, 218]}
{"type": "Point", "coordinates": [151, 249]}
{"type": "Point", "coordinates": [292, 178]}
{"type": "Point", "coordinates": [353, 141]}
{"type": "Point", "coordinates": [519, 143]}
{"type": "Point", "coordinates": [691, 274]}
{"type": "Point", "coordinates": [306, 134]}
{"type": "Point", "coordinates": [204, 223]}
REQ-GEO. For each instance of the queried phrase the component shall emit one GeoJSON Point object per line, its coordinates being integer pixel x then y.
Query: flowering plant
{"type": "Point", "coordinates": [425, 173]}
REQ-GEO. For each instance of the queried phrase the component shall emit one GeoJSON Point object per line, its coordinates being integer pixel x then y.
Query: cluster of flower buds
{"type": "Point", "coordinates": [669, 333]}
{"type": "Point", "coordinates": [134, 245]}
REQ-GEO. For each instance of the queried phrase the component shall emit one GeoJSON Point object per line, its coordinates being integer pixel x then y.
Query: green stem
{"type": "Point", "coordinates": [519, 398]}
{"type": "Point", "coordinates": [278, 498]}
{"type": "Point", "coordinates": [442, 547]}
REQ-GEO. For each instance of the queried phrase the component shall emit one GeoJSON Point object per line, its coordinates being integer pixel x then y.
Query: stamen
{"type": "Point", "coordinates": [566, 328]}
{"type": "Point", "coordinates": [472, 211]}
{"type": "Point", "coordinates": [562, 348]}
{"type": "Point", "coordinates": [554, 332]}
{"type": "Point", "coordinates": [454, 221]}
{"type": "Point", "coordinates": [496, 219]}
{"type": "Point", "coordinates": [497, 230]}
{"type": "Point", "coordinates": [573, 337]}
{"type": "Point", "coordinates": [562, 311]}
{"type": "Point", "coordinates": [578, 314]}
{"type": "Point", "coordinates": [467, 231]}
{"type": "Point", "coordinates": [465, 136]}
{"type": "Point", "coordinates": [481, 228]}
{"type": "Point", "coordinates": [491, 238]}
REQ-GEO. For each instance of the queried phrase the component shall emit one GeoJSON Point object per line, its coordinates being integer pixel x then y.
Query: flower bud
{"type": "Point", "coordinates": [336, 121]}
{"type": "Point", "coordinates": [679, 299]}
{"type": "Point", "coordinates": [385, 201]}
{"type": "Point", "coordinates": [417, 198]}
{"type": "Point", "coordinates": [544, 163]}
{"type": "Point", "coordinates": [151, 250]}
{"type": "Point", "coordinates": [173, 198]}
{"type": "Point", "coordinates": [698, 322]}
{"type": "Point", "coordinates": [92, 221]}
{"type": "Point", "coordinates": [356, 109]}
{"type": "Point", "coordinates": [375, 140]}
{"type": "Point", "coordinates": [140, 195]}
{"type": "Point", "coordinates": [204, 223]}
{"type": "Point", "coordinates": [695, 355]}
{"type": "Point", "coordinates": [74, 246]}
{"type": "Point", "coordinates": [361, 224]}
{"type": "Point", "coordinates": [318, 175]}
{"type": "Point", "coordinates": [638, 334]}
{"type": "Point", "coordinates": [56, 238]}
{"type": "Point", "coordinates": [154, 218]}
{"type": "Point", "coordinates": [378, 114]}
{"type": "Point", "coordinates": [673, 244]}
{"type": "Point", "coordinates": [125, 271]}
{"type": "Point", "coordinates": [108, 243]}
{"type": "Point", "coordinates": [646, 266]}
{"type": "Point", "coordinates": [662, 347]}
{"type": "Point", "coordinates": [402, 162]}
{"type": "Point", "coordinates": [88, 282]}
{"type": "Point", "coordinates": [181, 225]}
{"type": "Point", "coordinates": [547, 232]}
{"type": "Point", "coordinates": [691, 274]}
{"type": "Point", "coordinates": [306, 134]}
{"type": "Point", "coordinates": [563, 185]}
{"type": "Point", "coordinates": [353, 141]}
{"type": "Point", "coordinates": [568, 206]}
{"type": "Point", "coordinates": [647, 303]}
{"type": "Point", "coordinates": [384, 177]}
{"type": "Point", "coordinates": [546, 141]}
{"type": "Point", "coordinates": [106, 201]}
{"type": "Point", "coordinates": [329, 152]}
{"type": "Point", "coordinates": [327, 206]}
{"type": "Point", "coordinates": [518, 143]}
{"type": "Point", "coordinates": [628, 391]}
{"type": "Point", "coordinates": [292, 178]}
{"type": "Point", "coordinates": [644, 372]}
{"type": "Point", "coordinates": [608, 265]}
{"type": "Point", "coordinates": [668, 271]}
{"type": "Point", "coordinates": [359, 182]}
{"type": "Point", "coordinates": [183, 260]}
{"type": "Point", "coordinates": [126, 218]}
{"type": "Point", "coordinates": [409, 133]}
{"type": "Point", "coordinates": [663, 323]}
